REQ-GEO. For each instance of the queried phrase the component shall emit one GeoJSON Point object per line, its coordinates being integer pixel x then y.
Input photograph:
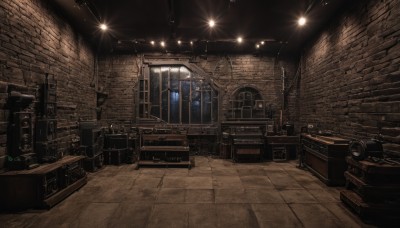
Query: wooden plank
{"type": "Point", "coordinates": [292, 140]}
{"type": "Point", "coordinates": [381, 193]}
{"type": "Point", "coordinates": [164, 164]}
{"type": "Point", "coordinates": [45, 168]}
{"type": "Point", "coordinates": [59, 196]}
{"type": "Point", "coordinates": [255, 151]}
{"type": "Point", "coordinates": [370, 212]}
{"type": "Point", "coordinates": [373, 167]}
{"type": "Point", "coordinates": [165, 148]}
{"type": "Point", "coordinates": [328, 140]}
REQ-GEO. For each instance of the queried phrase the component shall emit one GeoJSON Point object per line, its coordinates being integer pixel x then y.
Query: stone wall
{"type": "Point", "coordinates": [35, 40]}
{"type": "Point", "coordinates": [350, 80]}
{"type": "Point", "coordinates": [118, 75]}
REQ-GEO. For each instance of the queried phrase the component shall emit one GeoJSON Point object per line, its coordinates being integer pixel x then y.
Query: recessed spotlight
{"type": "Point", "coordinates": [239, 39]}
{"type": "Point", "coordinates": [302, 21]}
{"type": "Point", "coordinates": [162, 44]}
{"type": "Point", "coordinates": [152, 42]}
{"type": "Point", "coordinates": [191, 42]}
{"type": "Point", "coordinates": [103, 27]}
{"type": "Point", "coordinates": [211, 23]}
{"type": "Point", "coordinates": [179, 42]}
{"type": "Point", "coordinates": [262, 42]}
{"type": "Point", "coordinates": [257, 46]}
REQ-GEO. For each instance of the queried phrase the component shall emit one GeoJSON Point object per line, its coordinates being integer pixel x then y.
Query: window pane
{"type": "Point", "coordinates": [174, 78]}
{"type": "Point", "coordinates": [184, 73]}
{"type": "Point", "coordinates": [185, 85]}
{"type": "Point", "coordinates": [174, 107]}
{"type": "Point", "coordinates": [214, 105]}
{"type": "Point", "coordinates": [155, 91]}
{"type": "Point", "coordinates": [206, 102]}
{"type": "Point", "coordinates": [164, 93]}
{"type": "Point", "coordinates": [195, 107]}
{"type": "Point", "coordinates": [178, 96]}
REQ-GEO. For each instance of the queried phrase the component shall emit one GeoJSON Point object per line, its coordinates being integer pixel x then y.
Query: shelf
{"type": "Point", "coordinates": [170, 150]}
{"type": "Point", "coordinates": [165, 148]}
{"type": "Point", "coordinates": [165, 164]}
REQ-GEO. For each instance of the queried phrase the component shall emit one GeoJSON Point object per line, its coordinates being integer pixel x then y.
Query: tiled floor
{"type": "Point", "coordinates": [215, 193]}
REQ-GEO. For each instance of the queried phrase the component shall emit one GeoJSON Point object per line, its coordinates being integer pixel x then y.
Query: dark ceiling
{"type": "Point", "coordinates": [134, 23]}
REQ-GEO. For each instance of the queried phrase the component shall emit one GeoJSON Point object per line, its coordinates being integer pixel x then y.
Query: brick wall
{"type": "Point", "coordinates": [350, 80]}
{"type": "Point", "coordinates": [119, 74]}
{"type": "Point", "coordinates": [34, 40]}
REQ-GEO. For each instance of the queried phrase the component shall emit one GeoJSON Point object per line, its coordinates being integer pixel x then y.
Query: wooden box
{"type": "Point", "coordinates": [325, 157]}
{"type": "Point", "coordinates": [115, 156]}
{"type": "Point", "coordinates": [42, 187]}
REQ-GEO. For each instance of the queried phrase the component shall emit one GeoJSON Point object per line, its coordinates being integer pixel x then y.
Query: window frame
{"type": "Point", "coordinates": [205, 90]}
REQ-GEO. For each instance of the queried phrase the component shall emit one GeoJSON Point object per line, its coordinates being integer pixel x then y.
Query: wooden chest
{"type": "Point", "coordinates": [325, 157]}
{"type": "Point", "coordinates": [42, 187]}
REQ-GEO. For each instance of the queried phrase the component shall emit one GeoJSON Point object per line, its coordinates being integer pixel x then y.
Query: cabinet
{"type": "Point", "coordinates": [163, 150]}
{"type": "Point", "coordinates": [325, 156]}
{"type": "Point", "coordinates": [280, 147]}
{"type": "Point", "coordinates": [115, 149]}
{"type": "Point", "coordinates": [42, 187]}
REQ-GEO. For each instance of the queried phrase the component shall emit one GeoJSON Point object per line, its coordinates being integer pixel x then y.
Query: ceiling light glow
{"type": "Point", "coordinates": [103, 27]}
{"type": "Point", "coordinates": [262, 42]}
{"type": "Point", "coordinates": [211, 23]}
{"type": "Point", "coordinates": [179, 42]}
{"type": "Point", "coordinates": [302, 21]}
{"type": "Point", "coordinates": [162, 44]}
{"type": "Point", "coordinates": [257, 46]}
{"type": "Point", "coordinates": [191, 42]}
{"type": "Point", "coordinates": [239, 39]}
{"type": "Point", "coordinates": [152, 42]}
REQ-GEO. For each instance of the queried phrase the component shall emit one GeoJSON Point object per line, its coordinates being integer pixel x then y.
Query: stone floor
{"type": "Point", "coordinates": [215, 193]}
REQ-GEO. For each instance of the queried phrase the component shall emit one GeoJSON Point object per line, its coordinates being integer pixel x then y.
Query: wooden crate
{"type": "Point", "coordinates": [325, 158]}
{"type": "Point", "coordinates": [42, 187]}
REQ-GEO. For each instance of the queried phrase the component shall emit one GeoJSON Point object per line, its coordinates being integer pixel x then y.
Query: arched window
{"type": "Point", "coordinates": [247, 103]}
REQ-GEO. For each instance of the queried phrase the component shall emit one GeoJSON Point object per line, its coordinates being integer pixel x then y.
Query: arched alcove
{"type": "Point", "coordinates": [246, 103]}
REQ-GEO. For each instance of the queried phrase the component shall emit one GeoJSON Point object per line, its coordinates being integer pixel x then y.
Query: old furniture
{"type": "Point", "coordinates": [42, 187]}
{"type": "Point", "coordinates": [115, 149]}
{"type": "Point", "coordinates": [92, 142]}
{"type": "Point", "coordinates": [280, 147]}
{"type": "Point", "coordinates": [373, 189]}
{"type": "Point", "coordinates": [163, 150]}
{"type": "Point", "coordinates": [245, 140]}
{"type": "Point", "coordinates": [325, 156]}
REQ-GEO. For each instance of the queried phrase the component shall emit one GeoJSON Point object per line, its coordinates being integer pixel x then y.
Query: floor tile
{"type": "Point", "coordinates": [169, 216]}
{"type": "Point", "coordinates": [297, 196]}
{"type": "Point", "coordinates": [227, 182]}
{"type": "Point", "coordinates": [232, 195]}
{"type": "Point", "coordinates": [263, 196]}
{"type": "Point", "coordinates": [199, 196]}
{"type": "Point", "coordinates": [275, 215]}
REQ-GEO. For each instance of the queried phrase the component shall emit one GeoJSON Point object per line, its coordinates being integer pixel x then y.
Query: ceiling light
{"type": "Point", "coordinates": [162, 44]}
{"type": "Point", "coordinates": [262, 42]}
{"type": "Point", "coordinates": [257, 46]}
{"type": "Point", "coordinates": [211, 23]}
{"type": "Point", "coordinates": [103, 27]}
{"type": "Point", "coordinates": [152, 42]}
{"type": "Point", "coordinates": [179, 42]}
{"type": "Point", "coordinates": [239, 39]}
{"type": "Point", "coordinates": [191, 42]}
{"type": "Point", "coordinates": [302, 21]}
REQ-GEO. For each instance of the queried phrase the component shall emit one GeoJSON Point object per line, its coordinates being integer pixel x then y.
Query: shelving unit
{"type": "Point", "coordinates": [164, 150]}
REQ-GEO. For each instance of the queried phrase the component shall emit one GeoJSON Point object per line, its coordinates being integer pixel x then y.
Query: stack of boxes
{"type": "Point", "coordinates": [46, 146]}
